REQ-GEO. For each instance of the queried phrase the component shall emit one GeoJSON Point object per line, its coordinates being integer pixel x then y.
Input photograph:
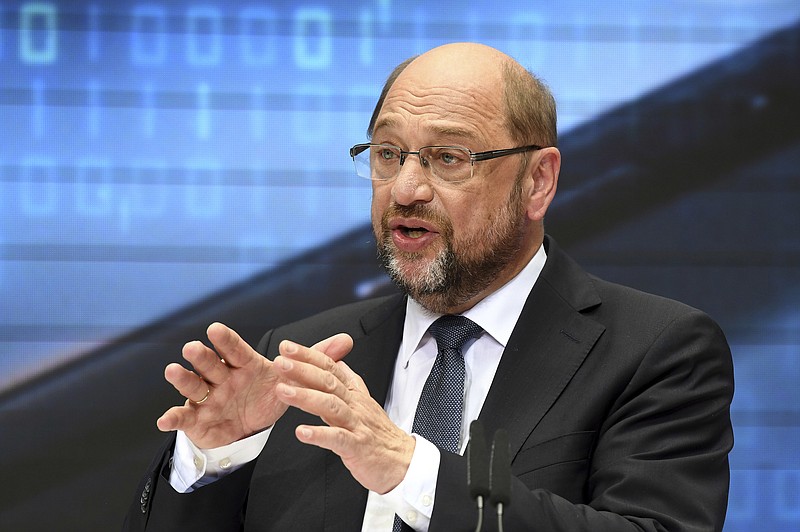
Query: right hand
{"type": "Point", "coordinates": [241, 399]}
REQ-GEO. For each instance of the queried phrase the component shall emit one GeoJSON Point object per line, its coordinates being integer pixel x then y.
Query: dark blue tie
{"type": "Point", "coordinates": [441, 405]}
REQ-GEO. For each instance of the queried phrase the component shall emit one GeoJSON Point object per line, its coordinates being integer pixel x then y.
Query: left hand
{"type": "Point", "coordinates": [375, 450]}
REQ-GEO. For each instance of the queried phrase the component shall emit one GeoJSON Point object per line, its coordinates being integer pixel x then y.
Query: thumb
{"type": "Point", "coordinates": [336, 346]}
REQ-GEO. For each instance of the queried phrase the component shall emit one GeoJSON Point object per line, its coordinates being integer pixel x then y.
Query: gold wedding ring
{"type": "Point", "coordinates": [203, 400]}
{"type": "Point", "coordinates": [208, 392]}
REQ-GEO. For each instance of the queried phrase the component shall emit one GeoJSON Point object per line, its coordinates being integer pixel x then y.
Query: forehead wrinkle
{"type": "Point", "coordinates": [443, 111]}
{"type": "Point", "coordinates": [474, 97]}
{"type": "Point", "coordinates": [431, 127]}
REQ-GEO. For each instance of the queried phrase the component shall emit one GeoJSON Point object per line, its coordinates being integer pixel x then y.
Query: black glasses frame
{"type": "Point", "coordinates": [473, 157]}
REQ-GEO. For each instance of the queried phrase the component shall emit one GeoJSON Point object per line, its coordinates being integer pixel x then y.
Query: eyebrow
{"type": "Point", "coordinates": [383, 123]}
{"type": "Point", "coordinates": [455, 131]}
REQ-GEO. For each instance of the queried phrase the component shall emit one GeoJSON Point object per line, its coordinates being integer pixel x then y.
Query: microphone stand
{"type": "Point", "coordinates": [500, 480]}
{"type": "Point", "coordinates": [488, 476]}
{"type": "Point", "coordinates": [478, 468]}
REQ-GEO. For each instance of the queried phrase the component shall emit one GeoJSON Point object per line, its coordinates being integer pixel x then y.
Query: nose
{"type": "Point", "coordinates": [411, 184]}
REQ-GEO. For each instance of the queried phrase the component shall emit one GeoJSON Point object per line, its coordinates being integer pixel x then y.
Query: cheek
{"type": "Point", "coordinates": [375, 216]}
{"type": "Point", "coordinates": [473, 220]}
{"type": "Point", "coordinates": [379, 203]}
{"type": "Point", "coordinates": [466, 219]}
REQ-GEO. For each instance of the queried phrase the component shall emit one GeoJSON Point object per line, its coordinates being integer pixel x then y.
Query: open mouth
{"type": "Point", "coordinates": [413, 232]}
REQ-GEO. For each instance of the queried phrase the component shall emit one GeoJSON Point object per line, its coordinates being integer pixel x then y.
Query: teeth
{"type": "Point", "coordinates": [416, 233]}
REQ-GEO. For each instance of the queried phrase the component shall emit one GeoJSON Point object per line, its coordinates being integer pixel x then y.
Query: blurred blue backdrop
{"type": "Point", "coordinates": [157, 154]}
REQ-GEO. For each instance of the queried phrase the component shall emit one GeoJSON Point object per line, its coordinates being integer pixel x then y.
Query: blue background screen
{"type": "Point", "coordinates": [160, 160]}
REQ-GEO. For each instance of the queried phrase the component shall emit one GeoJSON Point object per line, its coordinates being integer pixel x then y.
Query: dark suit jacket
{"type": "Point", "coordinates": [616, 403]}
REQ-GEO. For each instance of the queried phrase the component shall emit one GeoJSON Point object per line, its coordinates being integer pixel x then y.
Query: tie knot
{"type": "Point", "coordinates": [452, 332]}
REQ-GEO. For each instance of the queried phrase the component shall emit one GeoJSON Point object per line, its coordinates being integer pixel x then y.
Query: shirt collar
{"type": "Point", "coordinates": [497, 313]}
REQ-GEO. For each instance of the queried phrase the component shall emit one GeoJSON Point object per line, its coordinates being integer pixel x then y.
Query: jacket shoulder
{"type": "Point", "coordinates": [352, 318]}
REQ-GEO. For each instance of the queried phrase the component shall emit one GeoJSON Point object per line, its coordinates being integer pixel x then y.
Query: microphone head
{"type": "Point", "coordinates": [500, 480]}
{"type": "Point", "coordinates": [477, 461]}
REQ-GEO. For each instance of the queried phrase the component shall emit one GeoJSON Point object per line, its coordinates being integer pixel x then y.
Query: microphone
{"type": "Point", "coordinates": [478, 468]}
{"type": "Point", "coordinates": [500, 480]}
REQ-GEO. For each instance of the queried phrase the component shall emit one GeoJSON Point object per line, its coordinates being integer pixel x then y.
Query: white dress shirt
{"type": "Point", "coordinates": [413, 498]}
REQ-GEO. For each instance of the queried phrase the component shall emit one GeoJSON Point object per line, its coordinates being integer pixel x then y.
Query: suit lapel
{"type": "Point", "coordinates": [373, 358]}
{"type": "Point", "coordinates": [549, 343]}
{"type": "Point", "coordinates": [374, 353]}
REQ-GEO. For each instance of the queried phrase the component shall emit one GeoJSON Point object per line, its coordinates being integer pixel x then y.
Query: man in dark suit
{"type": "Point", "coordinates": [616, 402]}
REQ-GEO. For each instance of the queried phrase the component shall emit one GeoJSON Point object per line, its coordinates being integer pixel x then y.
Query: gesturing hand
{"type": "Point", "coordinates": [375, 450]}
{"type": "Point", "coordinates": [231, 393]}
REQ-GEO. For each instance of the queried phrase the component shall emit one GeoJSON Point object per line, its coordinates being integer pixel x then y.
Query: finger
{"type": "Point", "coordinates": [328, 407]}
{"type": "Point", "coordinates": [332, 439]}
{"type": "Point", "coordinates": [309, 376]}
{"type": "Point", "coordinates": [230, 346]}
{"type": "Point", "coordinates": [336, 346]}
{"type": "Point", "coordinates": [351, 379]}
{"type": "Point", "coordinates": [308, 355]}
{"type": "Point", "coordinates": [177, 418]}
{"type": "Point", "coordinates": [206, 362]}
{"type": "Point", "coordinates": [189, 384]}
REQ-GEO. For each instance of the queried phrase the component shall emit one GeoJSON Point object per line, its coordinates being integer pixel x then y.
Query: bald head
{"type": "Point", "coordinates": [507, 91]}
{"type": "Point", "coordinates": [460, 63]}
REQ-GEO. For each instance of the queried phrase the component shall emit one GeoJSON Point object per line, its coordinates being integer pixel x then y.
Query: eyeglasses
{"type": "Point", "coordinates": [450, 164]}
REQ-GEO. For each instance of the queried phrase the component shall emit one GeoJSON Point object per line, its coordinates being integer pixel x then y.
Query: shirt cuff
{"type": "Point", "coordinates": [413, 498]}
{"type": "Point", "coordinates": [193, 467]}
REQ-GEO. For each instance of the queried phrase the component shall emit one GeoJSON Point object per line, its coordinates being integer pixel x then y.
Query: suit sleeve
{"type": "Point", "coordinates": [219, 506]}
{"type": "Point", "coordinates": [660, 461]}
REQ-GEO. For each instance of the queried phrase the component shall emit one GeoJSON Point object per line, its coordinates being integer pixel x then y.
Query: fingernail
{"type": "Point", "coordinates": [288, 390]}
{"type": "Point", "coordinates": [289, 347]}
{"type": "Point", "coordinates": [305, 432]}
{"type": "Point", "coordinates": [284, 363]}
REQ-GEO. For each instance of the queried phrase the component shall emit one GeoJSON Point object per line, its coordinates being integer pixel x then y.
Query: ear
{"type": "Point", "coordinates": [547, 164]}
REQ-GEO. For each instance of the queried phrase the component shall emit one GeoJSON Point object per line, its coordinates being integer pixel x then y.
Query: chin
{"type": "Point", "coordinates": [416, 273]}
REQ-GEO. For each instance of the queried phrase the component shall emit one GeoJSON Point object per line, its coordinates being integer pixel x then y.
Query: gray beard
{"type": "Point", "coordinates": [436, 289]}
{"type": "Point", "coordinates": [453, 279]}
